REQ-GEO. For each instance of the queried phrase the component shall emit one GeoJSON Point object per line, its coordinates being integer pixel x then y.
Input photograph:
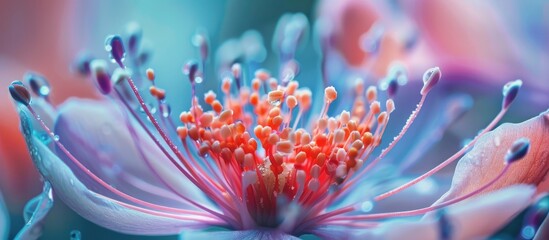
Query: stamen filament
{"type": "Point", "coordinates": [446, 162]}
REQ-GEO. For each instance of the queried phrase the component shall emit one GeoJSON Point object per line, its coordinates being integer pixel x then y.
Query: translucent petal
{"type": "Point", "coordinates": [35, 212]}
{"type": "Point", "coordinates": [473, 219]}
{"type": "Point", "coordinates": [264, 234]}
{"type": "Point", "coordinates": [97, 135]}
{"type": "Point", "coordinates": [88, 204]}
{"type": "Point", "coordinates": [486, 159]}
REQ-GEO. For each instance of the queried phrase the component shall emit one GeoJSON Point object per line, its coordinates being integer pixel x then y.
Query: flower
{"type": "Point", "coordinates": [251, 163]}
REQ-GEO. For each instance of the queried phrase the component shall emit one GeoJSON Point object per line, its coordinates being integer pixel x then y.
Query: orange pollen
{"type": "Point", "coordinates": [252, 131]}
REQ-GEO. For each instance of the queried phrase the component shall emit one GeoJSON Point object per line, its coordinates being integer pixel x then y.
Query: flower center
{"type": "Point", "coordinates": [253, 137]}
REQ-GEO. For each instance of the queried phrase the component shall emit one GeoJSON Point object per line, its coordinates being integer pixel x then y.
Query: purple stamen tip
{"type": "Point", "coordinates": [510, 91]}
{"type": "Point", "coordinates": [518, 150]}
{"type": "Point", "coordinates": [82, 63]}
{"type": "Point", "coordinates": [392, 87]}
{"type": "Point", "coordinates": [101, 76]}
{"type": "Point", "coordinates": [200, 40]}
{"type": "Point", "coordinates": [190, 69]}
{"type": "Point", "coordinates": [19, 93]}
{"type": "Point", "coordinates": [38, 84]}
{"type": "Point", "coordinates": [430, 79]}
{"type": "Point", "coordinates": [115, 46]}
{"type": "Point", "coordinates": [135, 33]}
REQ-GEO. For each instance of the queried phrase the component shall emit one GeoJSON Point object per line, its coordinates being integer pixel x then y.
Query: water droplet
{"type": "Point", "coordinates": [165, 109]}
{"type": "Point", "coordinates": [56, 138]}
{"type": "Point", "coordinates": [198, 79]}
{"type": "Point", "coordinates": [528, 232]}
{"type": "Point", "coordinates": [275, 103]}
{"type": "Point", "coordinates": [497, 141]}
{"type": "Point", "coordinates": [76, 235]}
{"type": "Point", "coordinates": [367, 206]}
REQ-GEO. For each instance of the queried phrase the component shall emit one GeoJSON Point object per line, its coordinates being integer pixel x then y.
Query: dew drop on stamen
{"type": "Point", "coordinates": [56, 138]}
{"type": "Point", "coordinates": [367, 206]}
{"type": "Point", "coordinates": [275, 103]}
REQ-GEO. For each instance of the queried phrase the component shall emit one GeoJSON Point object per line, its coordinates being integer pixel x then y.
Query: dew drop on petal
{"type": "Point", "coordinates": [497, 141]}
{"type": "Point", "coordinates": [75, 235]}
{"type": "Point", "coordinates": [426, 186]}
{"type": "Point", "coordinates": [528, 232]}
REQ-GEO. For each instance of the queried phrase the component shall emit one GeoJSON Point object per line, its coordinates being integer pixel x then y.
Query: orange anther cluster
{"type": "Point", "coordinates": [267, 141]}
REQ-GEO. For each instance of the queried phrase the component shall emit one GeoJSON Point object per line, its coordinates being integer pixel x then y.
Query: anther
{"type": "Point", "coordinates": [191, 69]}
{"type": "Point", "coordinates": [510, 91]}
{"type": "Point", "coordinates": [158, 93]}
{"type": "Point", "coordinates": [182, 132]}
{"type": "Point", "coordinates": [430, 79]}
{"type": "Point", "coordinates": [390, 105]}
{"type": "Point", "coordinates": [236, 70]}
{"type": "Point", "coordinates": [371, 93]}
{"type": "Point", "coordinates": [101, 76]}
{"type": "Point", "coordinates": [38, 84]}
{"type": "Point", "coordinates": [518, 150]}
{"type": "Point", "coordinates": [150, 74]}
{"type": "Point", "coordinates": [345, 117]}
{"type": "Point", "coordinates": [226, 116]}
{"type": "Point", "coordinates": [20, 93]}
{"type": "Point", "coordinates": [262, 75]}
{"type": "Point", "coordinates": [135, 33]}
{"type": "Point", "coordinates": [115, 47]}
{"type": "Point", "coordinates": [291, 102]}
{"type": "Point", "coordinates": [200, 40]}
{"type": "Point", "coordinates": [226, 85]}
{"type": "Point", "coordinates": [330, 94]}
{"type": "Point", "coordinates": [305, 98]}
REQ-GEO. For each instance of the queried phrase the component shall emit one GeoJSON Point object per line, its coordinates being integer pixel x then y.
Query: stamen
{"type": "Point", "coordinates": [453, 157]}
{"type": "Point", "coordinates": [115, 47]}
{"type": "Point", "coordinates": [517, 152]}
{"type": "Point", "coordinates": [20, 93]}
{"type": "Point", "coordinates": [135, 34]}
{"type": "Point", "coordinates": [510, 91]}
{"type": "Point", "coordinates": [101, 76]}
{"type": "Point", "coordinates": [430, 79]}
{"type": "Point", "coordinates": [38, 84]}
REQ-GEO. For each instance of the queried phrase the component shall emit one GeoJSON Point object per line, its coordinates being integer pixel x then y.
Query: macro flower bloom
{"type": "Point", "coordinates": [259, 160]}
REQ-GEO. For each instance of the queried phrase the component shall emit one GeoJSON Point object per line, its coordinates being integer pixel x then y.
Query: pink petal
{"type": "Point", "coordinates": [472, 36]}
{"type": "Point", "coordinates": [486, 159]}
{"type": "Point", "coordinates": [97, 135]}
{"type": "Point", "coordinates": [472, 219]}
